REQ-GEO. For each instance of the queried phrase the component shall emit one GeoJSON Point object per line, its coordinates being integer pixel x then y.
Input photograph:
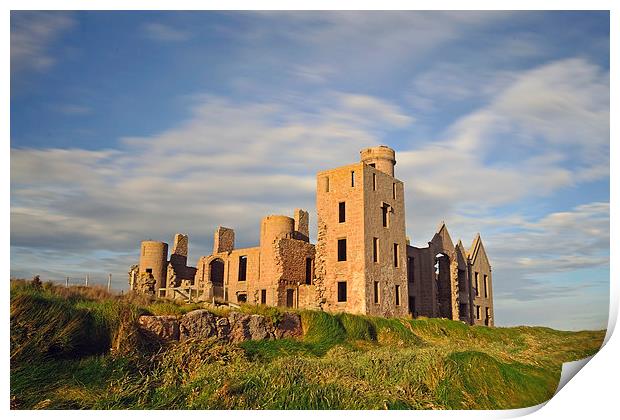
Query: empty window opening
{"type": "Point", "coordinates": [477, 311]}
{"type": "Point", "coordinates": [290, 294]}
{"type": "Point", "coordinates": [476, 284]}
{"type": "Point", "coordinates": [372, 164]}
{"type": "Point", "coordinates": [374, 182]}
{"type": "Point", "coordinates": [149, 270]}
{"type": "Point", "coordinates": [308, 270]}
{"type": "Point", "coordinates": [342, 291]}
{"type": "Point", "coordinates": [385, 210]}
{"type": "Point", "coordinates": [394, 190]}
{"type": "Point", "coordinates": [397, 291]}
{"type": "Point", "coordinates": [486, 286]}
{"type": "Point", "coordinates": [243, 267]}
{"type": "Point", "coordinates": [263, 296]}
{"type": "Point", "coordinates": [375, 249]}
{"type": "Point", "coordinates": [376, 292]}
{"type": "Point", "coordinates": [487, 317]}
{"type": "Point", "coordinates": [341, 212]}
{"type": "Point", "coordinates": [242, 298]}
{"type": "Point", "coordinates": [352, 178]}
{"type": "Point", "coordinates": [342, 249]}
{"type": "Point", "coordinates": [216, 275]}
{"type": "Point", "coordinates": [410, 273]}
{"type": "Point", "coordinates": [326, 184]}
{"type": "Point", "coordinates": [396, 255]}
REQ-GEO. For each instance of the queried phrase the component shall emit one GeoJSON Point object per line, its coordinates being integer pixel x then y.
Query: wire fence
{"type": "Point", "coordinates": [87, 280]}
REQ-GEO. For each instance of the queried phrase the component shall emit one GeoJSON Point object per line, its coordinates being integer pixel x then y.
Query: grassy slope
{"type": "Point", "coordinates": [77, 348]}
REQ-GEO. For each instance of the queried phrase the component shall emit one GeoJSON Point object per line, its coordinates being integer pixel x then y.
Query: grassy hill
{"type": "Point", "coordinates": [78, 348]}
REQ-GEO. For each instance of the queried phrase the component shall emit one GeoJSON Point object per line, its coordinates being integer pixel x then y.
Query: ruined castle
{"type": "Point", "coordinates": [362, 261]}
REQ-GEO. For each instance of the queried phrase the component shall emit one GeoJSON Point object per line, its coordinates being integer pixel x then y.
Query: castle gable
{"type": "Point", "coordinates": [442, 242]}
{"type": "Point", "coordinates": [461, 255]}
{"type": "Point", "coordinates": [477, 253]}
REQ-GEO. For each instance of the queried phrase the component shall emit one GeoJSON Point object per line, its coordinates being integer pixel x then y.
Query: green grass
{"type": "Point", "coordinates": [78, 348]}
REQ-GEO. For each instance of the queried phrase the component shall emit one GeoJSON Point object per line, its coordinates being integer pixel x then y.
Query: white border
{"type": "Point", "coordinates": [592, 394]}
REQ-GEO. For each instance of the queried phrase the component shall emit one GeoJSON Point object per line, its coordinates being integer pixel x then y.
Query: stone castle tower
{"type": "Point", "coordinates": [361, 243]}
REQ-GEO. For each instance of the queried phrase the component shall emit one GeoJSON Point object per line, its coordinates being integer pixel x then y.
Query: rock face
{"type": "Point", "coordinates": [249, 327]}
{"type": "Point", "coordinates": [162, 327]}
{"type": "Point", "coordinates": [260, 328]}
{"type": "Point", "coordinates": [289, 326]}
{"type": "Point", "coordinates": [197, 324]}
{"type": "Point", "coordinates": [237, 327]}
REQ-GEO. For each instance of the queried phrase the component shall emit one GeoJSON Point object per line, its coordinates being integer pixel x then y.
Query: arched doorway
{"type": "Point", "coordinates": [216, 276]}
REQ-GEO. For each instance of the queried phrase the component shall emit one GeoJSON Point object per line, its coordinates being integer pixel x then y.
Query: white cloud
{"type": "Point", "coordinates": [211, 169]}
{"type": "Point", "coordinates": [547, 130]}
{"type": "Point", "coordinates": [161, 32]}
{"type": "Point", "coordinates": [32, 33]}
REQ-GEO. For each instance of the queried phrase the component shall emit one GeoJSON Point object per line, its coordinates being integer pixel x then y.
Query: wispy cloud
{"type": "Point", "coordinates": [162, 32]}
{"type": "Point", "coordinates": [72, 109]}
{"type": "Point", "coordinates": [32, 33]}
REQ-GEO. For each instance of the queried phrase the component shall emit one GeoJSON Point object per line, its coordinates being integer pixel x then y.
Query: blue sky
{"type": "Point", "coordinates": [134, 125]}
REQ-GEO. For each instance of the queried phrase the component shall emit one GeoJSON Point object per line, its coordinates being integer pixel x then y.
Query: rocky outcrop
{"type": "Point", "coordinates": [237, 327]}
{"type": "Point", "coordinates": [249, 327]}
{"type": "Point", "coordinates": [197, 324]}
{"type": "Point", "coordinates": [161, 327]}
{"type": "Point", "coordinates": [289, 326]}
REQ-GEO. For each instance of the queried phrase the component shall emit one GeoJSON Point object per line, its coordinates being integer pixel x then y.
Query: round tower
{"type": "Point", "coordinates": [154, 259]}
{"type": "Point", "coordinates": [382, 158]}
{"type": "Point", "coordinates": [276, 227]}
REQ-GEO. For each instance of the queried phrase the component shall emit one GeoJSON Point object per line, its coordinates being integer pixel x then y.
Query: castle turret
{"type": "Point", "coordinates": [382, 158]}
{"type": "Point", "coordinates": [275, 227]}
{"type": "Point", "coordinates": [154, 260]}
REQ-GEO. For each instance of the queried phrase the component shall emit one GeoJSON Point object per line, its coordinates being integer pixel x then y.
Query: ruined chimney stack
{"type": "Point", "coordinates": [302, 230]}
{"type": "Point", "coordinates": [224, 240]}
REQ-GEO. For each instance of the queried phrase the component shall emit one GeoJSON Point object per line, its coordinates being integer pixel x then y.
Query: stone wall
{"type": "Point", "coordinates": [390, 270]}
{"type": "Point", "coordinates": [290, 267]}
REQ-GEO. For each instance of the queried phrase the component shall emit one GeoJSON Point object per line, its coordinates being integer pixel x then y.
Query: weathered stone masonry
{"type": "Point", "coordinates": [362, 261]}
